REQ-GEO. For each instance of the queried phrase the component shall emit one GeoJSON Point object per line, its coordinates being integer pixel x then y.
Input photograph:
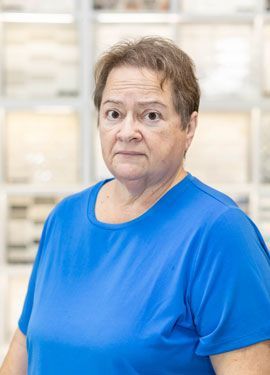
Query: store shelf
{"type": "Point", "coordinates": [230, 104]}
{"type": "Point", "coordinates": [130, 18]}
{"type": "Point", "coordinates": [38, 18]}
{"type": "Point", "coordinates": [49, 104]}
{"type": "Point", "coordinates": [26, 189]}
{"type": "Point", "coordinates": [39, 5]}
{"type": "Point", "coordinates": [179, 18]}
{"type": "Point", "coordinates": [17, 270]}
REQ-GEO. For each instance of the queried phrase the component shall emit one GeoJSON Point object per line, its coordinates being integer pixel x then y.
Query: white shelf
{"type": "Point", "coordinates": [127, 17]}
{"type": "Point", "coordinates": [171, 17]}
{"type": "Point", "coordinates": [41, 190]}
{"type": "Point", "coordinates": [21, 17]}
{"type": "Point", "coordinates": [41, 104]}
{"type": "Point", "coordinates": [264, 188]}
{"type": "Point", "coordinates": [235, 18]}
{"type": "Point", "coordinates": [17, 269]}
{"type": "Point", "coordinates": [235, 188]}
{"type": "Point", "coordinates": [132, 17]}
{"type": "Point", "coordinates": [236, 104]}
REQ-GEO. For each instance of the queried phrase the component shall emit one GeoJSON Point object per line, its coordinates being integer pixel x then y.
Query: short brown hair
{"type": "Point", "coordinates": [160, 55]}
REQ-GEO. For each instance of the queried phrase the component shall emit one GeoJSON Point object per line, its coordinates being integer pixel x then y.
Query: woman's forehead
{"type": "Point", "coordinates": [128, 80]}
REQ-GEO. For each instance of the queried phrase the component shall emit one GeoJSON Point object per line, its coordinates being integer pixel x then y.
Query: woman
{"type": "Point", "coordinates": [151, 272]}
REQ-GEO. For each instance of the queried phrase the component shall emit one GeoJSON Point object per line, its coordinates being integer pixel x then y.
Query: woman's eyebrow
{"type": "Point", "coordinates": [143, 103]}
{"type": "Point", "coordinates": [146, 103]}
{"type": "Point", "coordinates": [112, 101]}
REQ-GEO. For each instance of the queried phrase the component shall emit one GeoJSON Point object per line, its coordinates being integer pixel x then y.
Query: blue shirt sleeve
{"type": "Point", "coordinates": [230, 286]}
{"type": "Point", "coordinates": [28, 302]}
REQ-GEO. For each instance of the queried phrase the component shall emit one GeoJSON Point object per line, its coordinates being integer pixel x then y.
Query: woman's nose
{"type": "Point", "coordinates": [129, 130]}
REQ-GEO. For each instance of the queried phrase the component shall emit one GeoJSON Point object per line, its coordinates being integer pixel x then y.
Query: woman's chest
{"type": "Point", "coordinates": [116, 318]}
{"type": "Point", "coordinates": [134, 277]}
{"type": "Point", "coordinates": [122, 300]}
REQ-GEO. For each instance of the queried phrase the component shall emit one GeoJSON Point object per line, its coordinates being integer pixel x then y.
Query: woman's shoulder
{"type": "Point", "coordinates": [212, 195]}
{"type": "Point", "coordinates": [219, 215]}
{"type": "Point", "coordinates": [74, 204]}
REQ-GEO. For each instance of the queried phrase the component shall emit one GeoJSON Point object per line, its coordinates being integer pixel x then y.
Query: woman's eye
{"type": "Point", "coordinates": [153, 116]}
{"type": "Point", "coordinates": [113, 115]}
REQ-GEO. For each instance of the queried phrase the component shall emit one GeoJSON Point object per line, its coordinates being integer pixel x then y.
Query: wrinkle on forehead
{"type": "Point", "coordinates": [140, 83]}
{"type": "Point", "coordinates": [145, 80]}
{"type": "Point", "coordinates": [137, 83]}
{"type": "Point", "coordinates": [144, 88]}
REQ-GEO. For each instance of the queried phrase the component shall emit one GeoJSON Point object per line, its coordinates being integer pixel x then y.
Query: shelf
{"type": "Point", "coordinates": [21, 17]}
{"type": "Point", "coordinates": [266, 16]}
{"type": "Point", "coordinates": [127, 17]}
{"type": "Point", "coordinates": [41, 190]}
{"type": "Point", "coordinates": [264, 188]}
{"type": "Point", "coordinates": [234, 188]}
{"type": "Point", "coordinates": [41, 104]}
{"type": "Point", "coordinates": [234, 18]}
{"type": "Point", "coordinates": [17, 269]}
{"type": "Point", "coordinates": [170, 17]}
{"type": "Point", "coordinates": [233, 105]}
{"type": "Point", "coordinates": [133, 17]}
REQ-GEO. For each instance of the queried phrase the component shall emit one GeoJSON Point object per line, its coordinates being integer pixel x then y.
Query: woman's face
{"type": "Point", "coordinates": [140, 131]}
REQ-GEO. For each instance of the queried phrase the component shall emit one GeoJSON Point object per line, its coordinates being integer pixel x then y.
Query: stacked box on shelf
{"type": "Point", "coordinates": [217, 6]}
{"type": "Point", "coordinates": [265, 149]}
{"type": "Point", "coordinates": [264, 215]}
{"type": "Point", "coordinates": [108, 34]}
{"type": "Point", "coordinates": [26, 216]}
{"type": "Point", "coordinates": [37, 5]}
{"type": "Point", "coordinates": [223, 61]}
{"type": "Point", "coordinates": [219, 152]}
{"type": "Point", "coordinates": [266, 60]}
{"type": "Point", "coordinates": [132, 5]}
{"type": "Point", "coordinates": [242, 201]}
{"type": "Point", "coordinates": [42, 147]}
{"type": "Point", "coordinates": [41, 60]}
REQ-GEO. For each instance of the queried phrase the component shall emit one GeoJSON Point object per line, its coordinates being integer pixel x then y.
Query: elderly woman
{"type": "Point", "coordinates": [151, 272]}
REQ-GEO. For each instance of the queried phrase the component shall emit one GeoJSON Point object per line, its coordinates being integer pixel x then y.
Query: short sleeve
{"type": "Point", "coordinates": [28, 302]}
{"type": "Point", "coordinates": [230, 286]}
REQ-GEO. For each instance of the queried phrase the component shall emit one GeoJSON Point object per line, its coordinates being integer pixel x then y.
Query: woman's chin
{"type": "Point", "coordinates": [128, 173]}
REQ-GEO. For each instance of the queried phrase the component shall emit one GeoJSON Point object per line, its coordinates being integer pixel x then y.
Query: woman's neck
{"type": "Point", "coordinates": [141, 193]}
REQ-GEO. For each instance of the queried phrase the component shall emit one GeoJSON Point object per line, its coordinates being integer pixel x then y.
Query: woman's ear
{"type": "Point", "coordinates": [191, 128]}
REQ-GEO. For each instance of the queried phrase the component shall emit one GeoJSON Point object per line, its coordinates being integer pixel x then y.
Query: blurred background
{"type": "Point", "coordinates": [48, 139]}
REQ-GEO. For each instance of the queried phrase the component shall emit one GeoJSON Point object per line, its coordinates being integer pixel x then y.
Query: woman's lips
{"type": "Point", "coordinates": [130, 153]}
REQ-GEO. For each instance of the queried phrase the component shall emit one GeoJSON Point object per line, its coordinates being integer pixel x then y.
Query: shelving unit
{"type": "Point", "coordinates": [46, 59]}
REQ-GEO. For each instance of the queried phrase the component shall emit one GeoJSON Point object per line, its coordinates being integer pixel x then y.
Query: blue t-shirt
{"type": "Point", "coordinates": [152, 296]}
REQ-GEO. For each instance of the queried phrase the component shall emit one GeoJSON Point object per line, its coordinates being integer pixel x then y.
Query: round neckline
{"type": "Point", "coordinates": [180, 186]}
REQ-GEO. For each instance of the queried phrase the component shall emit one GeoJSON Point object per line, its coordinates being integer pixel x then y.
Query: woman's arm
{"type": "Point", "coordinates": [251, 360]}
{"type": "Point", "coordinates": [15, 362]}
